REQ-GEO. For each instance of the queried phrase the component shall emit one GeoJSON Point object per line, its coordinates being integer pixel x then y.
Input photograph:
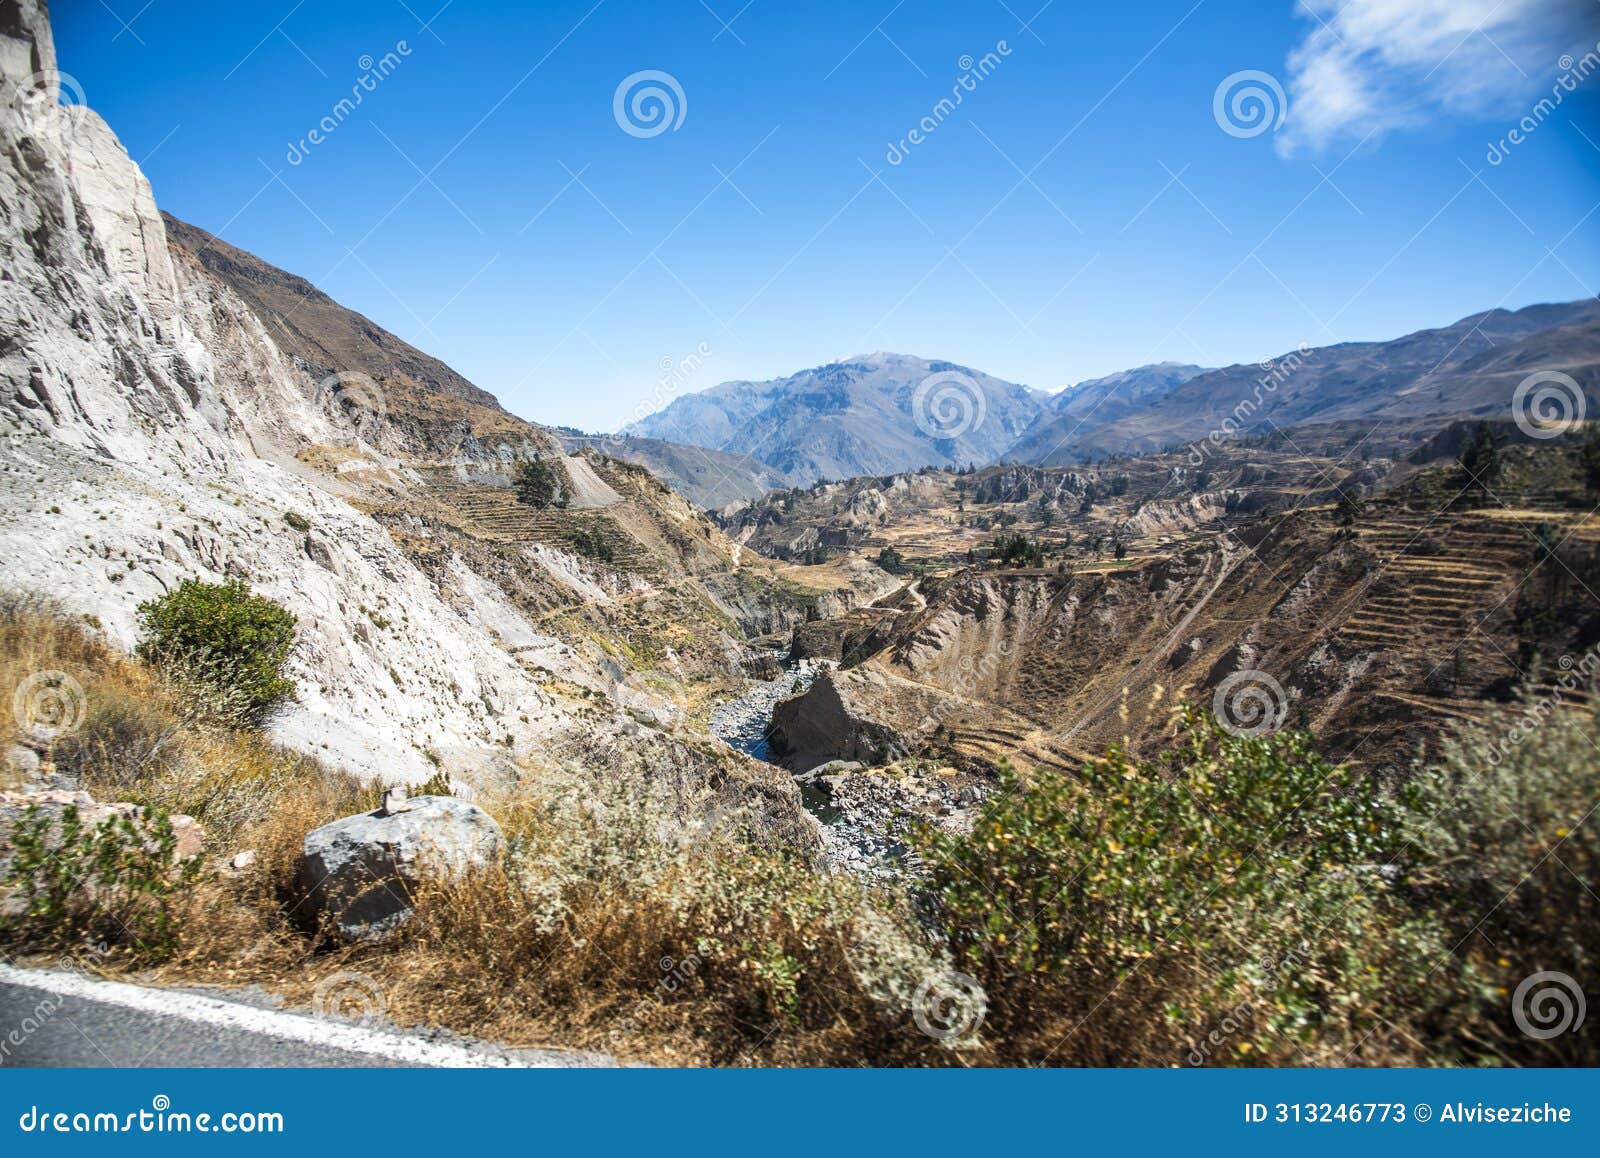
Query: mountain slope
{"type": "Point", "coordinates": [708, 478]}
{"type": "Point", "coordinates": [877, 414]}
{"type": "Point", "coordinates": [157, 425]}
{"type": "Point", "coordinates": [440, 408]}
{"type": "Point", "coordinates": [1098, 400]}
{"type": "Point", "coordinates": [1471, 367]}
{"type": "Point", "coordinates": [308, 324]}
{"type": "Point", "coordinates": [426, 404]}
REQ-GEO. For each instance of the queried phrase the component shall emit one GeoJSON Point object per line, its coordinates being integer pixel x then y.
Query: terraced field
{"type": "Point", "coordinates": [494, 513]}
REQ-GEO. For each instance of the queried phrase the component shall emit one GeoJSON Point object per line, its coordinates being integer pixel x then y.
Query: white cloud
{"type": "Point", "coordinates": [1372, 66]}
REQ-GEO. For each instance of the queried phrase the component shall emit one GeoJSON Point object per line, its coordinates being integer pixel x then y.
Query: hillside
{"type": "Point", "coordinates": [1374, 632]}
{"type": "Point", "coordinates": [934, 518]}
{"type": "Point", "coordinates": [706, 477]}
{"type": "Point", "coordinates": [308, 324]}
{"type": "Point", "coordinates": [1471, 367]}
{"type": "Point", "coordinates": [874, 414]}
{"type": "Point", "coordinates": [175, 408]}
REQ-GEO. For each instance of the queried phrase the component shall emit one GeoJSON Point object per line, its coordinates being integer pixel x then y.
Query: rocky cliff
{"type": "Point", "coordinates": [157, 424]}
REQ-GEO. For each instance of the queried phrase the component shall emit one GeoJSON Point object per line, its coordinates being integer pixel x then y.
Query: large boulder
{"type": "Point", "coordinates": [362, 870]}
{"type": "Point", "coordinates": [868, 714]}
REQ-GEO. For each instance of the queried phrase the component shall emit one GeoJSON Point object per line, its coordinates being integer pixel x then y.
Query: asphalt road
{"type": "Point", "coordinates": [59, 1018]}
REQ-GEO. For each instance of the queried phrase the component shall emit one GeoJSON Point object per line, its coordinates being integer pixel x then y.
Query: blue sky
{"type": "Point", "coordinates": [1082, 210]}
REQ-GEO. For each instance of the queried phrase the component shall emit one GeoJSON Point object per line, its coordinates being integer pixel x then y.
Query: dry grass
{"type": "Point", "coordinates": [668, 923]}
{"type": "Point", "coordinates": [617, 921]}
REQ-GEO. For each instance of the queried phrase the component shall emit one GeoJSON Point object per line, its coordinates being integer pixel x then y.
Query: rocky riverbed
{"type": "Point", "coordinates": [745, 723]}
{"type": "Point", "coordinates": [867, 814]}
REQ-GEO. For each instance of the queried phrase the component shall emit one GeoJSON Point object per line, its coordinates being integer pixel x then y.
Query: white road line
{"type": "Point", "coordinates": [247, 1019]}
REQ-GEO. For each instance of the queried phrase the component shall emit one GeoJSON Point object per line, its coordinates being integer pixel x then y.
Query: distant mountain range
{"type": "Point", "coordinates": [872, 414]}
{"type": "Point", "coordinates": [883, 413]}
{"type": "Point", "coordinates": [886, 413]}
{"type": "Point", "coordinates": [1470, 368]}
{"type": "Point", "coordinates": [1095, 403]}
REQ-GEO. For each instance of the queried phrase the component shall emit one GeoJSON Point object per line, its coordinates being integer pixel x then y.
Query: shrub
{"type": "Point", "coordinates": [116, 883]}
{"type": "Point", "coordinates": [1480, 462]}
{"type": "Point", "coordinates": [1017, 550]}
{"type": "Point", "coordinates": [1227, 874]}
{"type": "Point", "coordinates": [698, 926]}
{"type": "Point", "coordinates": [1508, 853]}
{"type": "Point", "coordinates": [593, 543]}
{"type": "Point", "coordinates": [224, 642]}
{"type": "Point", "coordinates": [538, 484]}
{"type": "Point", "coordinates": [298, 521]}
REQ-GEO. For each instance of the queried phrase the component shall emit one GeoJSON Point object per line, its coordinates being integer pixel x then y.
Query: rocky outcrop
{"type": "Point", "coordinates": [148, 427]}
{"type": "Point", "coordinates": [856, 633]}
{"type": "Point", "coordinates": [362, 871]}
{"type": "Point", "coordinates": [865, 714]}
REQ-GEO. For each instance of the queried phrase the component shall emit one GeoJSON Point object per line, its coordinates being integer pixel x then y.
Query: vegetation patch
{"type": "Point", "coordinates": [228, 644]}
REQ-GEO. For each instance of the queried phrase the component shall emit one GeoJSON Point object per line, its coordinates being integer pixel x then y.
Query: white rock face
{"type": "Point", "coordinates": [148, 427]}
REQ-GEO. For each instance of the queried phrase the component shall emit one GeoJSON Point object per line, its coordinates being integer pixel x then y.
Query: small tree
{"type": "Point", "coordinates": [891, 560]}
{"type": "Point", "coordinates": [1480, 461]}
{"type": "Point", "coordinates": [224, 641]}
{"type": "Point", "coordinates": [1350, 508]}
{"type": "Point", "coordinates": [1591, 461]}
{"type": "Point", "coordinates": [538, 484]}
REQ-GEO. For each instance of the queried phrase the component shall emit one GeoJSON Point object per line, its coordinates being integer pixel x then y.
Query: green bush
{"type": "Point", "coordinates": [228, 645]}
{"type": "Point", "coordinates": [538, 484]}
{"type": "Point", "coordinates": [117, 883]}
{"type": "Point", "coordinates": [593, 543]}
{"type": "Point", "coordinates": [1508, 854]}
{"type": "Point", "coordinates": [1230, 878]}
